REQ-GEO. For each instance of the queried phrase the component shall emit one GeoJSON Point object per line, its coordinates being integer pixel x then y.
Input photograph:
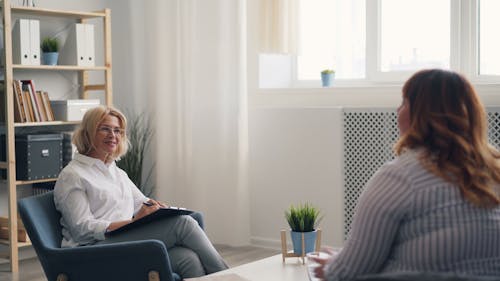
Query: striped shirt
{"type": "Point", "coordinates": [408, 219]}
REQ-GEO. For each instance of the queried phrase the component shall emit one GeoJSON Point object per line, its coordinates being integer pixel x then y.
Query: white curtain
{"type": "Point", "coordinates": [279, 25]}
{"type": "Point", "coordinates": [195, 80]}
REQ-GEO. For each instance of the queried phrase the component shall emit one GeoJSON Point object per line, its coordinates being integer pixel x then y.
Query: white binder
{"type": "Point", "coordinates": [26, 42]}
{"type": "Point", "coordinates": [35, 42]}
{"type": "Point", "coordinates": [89, 45]}
{"type": "Point", "coordinates": [79, 46]}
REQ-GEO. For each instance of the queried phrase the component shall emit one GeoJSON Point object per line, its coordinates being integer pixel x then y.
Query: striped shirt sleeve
{"type": "Point", "coordinates": [380, 209]}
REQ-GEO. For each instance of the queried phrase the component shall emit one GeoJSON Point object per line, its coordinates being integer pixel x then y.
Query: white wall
{"type": "Point", "coordinates": [130, 71]}
{"type": "Point", "coordinates": [295, 157]}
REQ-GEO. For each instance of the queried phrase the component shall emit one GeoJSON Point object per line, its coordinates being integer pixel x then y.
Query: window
{"type": "Point", "coordinates": [371, 41]}
{"type": "Point", "coordinates": [332, 35]}
{"type": "Point", "coordinates": [408, 41]}
{"type": "Point", "coordinates": [489, 37]}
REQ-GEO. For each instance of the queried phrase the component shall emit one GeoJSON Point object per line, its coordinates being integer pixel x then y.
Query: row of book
{"type": "Point", "coordinates": [4, 229]}
{"type": "Point", "coordinates": [31, 105]}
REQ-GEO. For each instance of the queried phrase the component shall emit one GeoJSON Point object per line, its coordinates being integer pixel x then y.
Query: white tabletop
{"type": "Point", "coordinates": [271, 268]}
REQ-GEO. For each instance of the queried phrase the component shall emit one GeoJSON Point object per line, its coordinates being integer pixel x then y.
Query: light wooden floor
{"type": "Point", "coordinates": [31, 270]}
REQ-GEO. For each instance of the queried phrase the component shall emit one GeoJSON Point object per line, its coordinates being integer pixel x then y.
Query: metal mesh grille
{"type": "Point", "coordinates": [368, 139]}
{"type": "Point", "coordinates": [369, 135]}
{"type": "Point", "coordinates": [494, 126]}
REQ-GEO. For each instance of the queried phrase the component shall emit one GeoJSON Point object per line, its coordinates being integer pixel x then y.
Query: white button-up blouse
{"type": "Point", "coordinates": [90, 196]}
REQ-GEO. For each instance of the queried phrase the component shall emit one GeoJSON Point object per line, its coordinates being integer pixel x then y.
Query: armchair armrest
{"type": "Point", "coordinates": [107, 262]}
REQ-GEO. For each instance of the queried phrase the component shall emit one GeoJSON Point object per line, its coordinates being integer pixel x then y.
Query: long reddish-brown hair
{"type": "Point", "coordinates": [448, 121]}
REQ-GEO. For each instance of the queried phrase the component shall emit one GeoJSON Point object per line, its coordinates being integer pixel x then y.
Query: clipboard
{"type": "Point", "coordinates": [159, 214]}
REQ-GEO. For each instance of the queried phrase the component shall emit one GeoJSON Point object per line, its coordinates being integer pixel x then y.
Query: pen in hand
{"type": "Point", "coordinates": [148, 203]}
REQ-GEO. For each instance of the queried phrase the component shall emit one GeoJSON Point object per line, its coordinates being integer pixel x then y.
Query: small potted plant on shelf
{"type": "Point", "coordinates": [327, 77]}
{"type": "Point", "coordinates": [50, 50]}
{"type": "Point", "coordinates": [303, 221]}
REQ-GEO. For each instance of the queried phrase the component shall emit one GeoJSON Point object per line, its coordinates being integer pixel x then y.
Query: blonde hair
{"type": "Point", "coordinates": [448, 120]}
{"type": "Point", "coordinates": [83, 137]}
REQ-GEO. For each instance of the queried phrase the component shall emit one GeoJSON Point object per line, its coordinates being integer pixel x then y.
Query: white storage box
{"type": "Point", "coordinates": [72, 110]}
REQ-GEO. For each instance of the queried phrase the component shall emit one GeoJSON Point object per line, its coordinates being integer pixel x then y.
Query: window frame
{"type": "Point", "coordinates": [464, 49]}
{"type": "Point", "coordinates": [484, 79]}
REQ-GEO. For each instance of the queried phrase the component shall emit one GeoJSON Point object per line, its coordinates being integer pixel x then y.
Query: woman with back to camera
{"type": "Point", "coordinates": [436, 207]}
{"type": "Point", "coordinates": [94, 197]}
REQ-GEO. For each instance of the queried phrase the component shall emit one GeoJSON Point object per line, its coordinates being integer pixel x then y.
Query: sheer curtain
{"type": "Point", "coordinates": [279, 25]}
{"type": "Point", "coordinates": [195, 83]}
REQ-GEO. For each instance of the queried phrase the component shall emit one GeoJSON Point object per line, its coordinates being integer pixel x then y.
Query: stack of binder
{"type": "Point", "coordinates": [26, 42]}
{"type": "Point", "coordinates": [79, 48]}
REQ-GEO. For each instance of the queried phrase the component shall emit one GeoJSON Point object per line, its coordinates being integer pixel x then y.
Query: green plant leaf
{"type": "Point", "coordinates": [49, 45]}
{"type": "Point", "coordinates": [303, 218]}
{"type": "Point", "coordinates": [327, 71]}
{"type": "Point", "coordinates": [139, 133]}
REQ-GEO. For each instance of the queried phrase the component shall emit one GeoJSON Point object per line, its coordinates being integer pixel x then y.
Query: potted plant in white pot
{"type": "Point", "coordinates": [50, 50]}
{"type": "Point", "coordinates": [327, 77]}
{"type": "Point", "coordinates": [303, 220]}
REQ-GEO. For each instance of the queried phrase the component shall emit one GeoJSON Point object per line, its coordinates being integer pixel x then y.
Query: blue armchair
{"type": "Point", "coordinates": [136, 260]}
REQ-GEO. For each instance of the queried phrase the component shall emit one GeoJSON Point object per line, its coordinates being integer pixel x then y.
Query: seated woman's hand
{"type": "Point", "coordinates": [147, 209]}
{"type": "Point", "coordinates": [154, 202]}
{"type": "Point", "coordinates": [327, 257]}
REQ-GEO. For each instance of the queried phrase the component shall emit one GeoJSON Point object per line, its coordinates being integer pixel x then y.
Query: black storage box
{"type": "Point", "coordinates": [38, 156]}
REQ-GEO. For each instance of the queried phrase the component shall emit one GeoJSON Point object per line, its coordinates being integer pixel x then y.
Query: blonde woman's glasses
{"type": "Point", "coordinates": [108, 131]}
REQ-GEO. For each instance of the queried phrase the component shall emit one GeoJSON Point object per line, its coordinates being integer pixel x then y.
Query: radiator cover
{"type": "Point", "coordinates": [369, 135]}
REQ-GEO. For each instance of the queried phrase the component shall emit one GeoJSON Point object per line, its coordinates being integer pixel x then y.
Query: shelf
{"type": "Point", "coordinates": [59, 67]}
{"type": "Point", "coordinates": [10, 13]}
{"type": "Point", "coordinates": [30, 181]}
{"type": "Point", "coordinates": [57, 13]}
{"type": "Point", "coordinates": [35, 181]}
{"type": "Point", "coordinates": [19, 244]}
{"type": "Point", "coordinates": [51, 123]}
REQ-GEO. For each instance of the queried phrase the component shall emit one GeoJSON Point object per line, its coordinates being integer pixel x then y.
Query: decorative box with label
{"type": "Point", "coordinates": [38, 156]}
{"type": "Point", "coordinates": [72, 110]}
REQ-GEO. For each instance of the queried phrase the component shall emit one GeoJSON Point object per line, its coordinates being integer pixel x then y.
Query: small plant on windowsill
{"type": "Point", "coordinates": [328, 71]}
{"type": "Point", "coordinates": [327, 77]}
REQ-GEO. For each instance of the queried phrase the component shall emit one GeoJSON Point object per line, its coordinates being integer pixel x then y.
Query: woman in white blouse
{"type": "Point", "coordinates": [435, 207]}
{"type": "Point", "coordinates": [94, 197]}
